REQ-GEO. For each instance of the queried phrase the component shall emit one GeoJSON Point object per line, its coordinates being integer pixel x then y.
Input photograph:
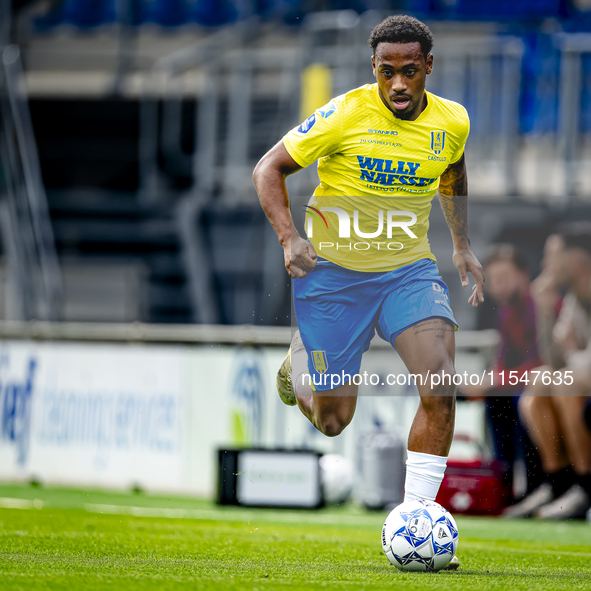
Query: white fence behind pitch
{"type": "Point", "coordinates": [130, 405]}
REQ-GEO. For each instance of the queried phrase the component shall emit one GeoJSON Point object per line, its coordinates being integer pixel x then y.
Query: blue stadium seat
{"type": "Point", "coordinates": [489, 9]}
{"type": "Point", "coordinates": [546, 85]}
{"type": "Point", "coordinates": [585, 122]}
{"type": "Point", "coordinates": [509, 9]}
{"type": "Point", "coordinates": [168, 13]}
{"type": "Point", "coordinates": [89, 13]}
{"type": "Point", "coordinates": [214, 12]}
{"type": "Point", "coordinates": [81, 13]}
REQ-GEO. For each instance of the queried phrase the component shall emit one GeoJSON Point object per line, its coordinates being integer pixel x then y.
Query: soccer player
{"type": "Point", "coordinates": [383, 152]}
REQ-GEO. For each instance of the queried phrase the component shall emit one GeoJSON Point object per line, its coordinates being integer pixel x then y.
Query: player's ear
{"type": "Point", "coordinates": [373, 64]}
{"type": "Point", "coordinates": [429, 63]}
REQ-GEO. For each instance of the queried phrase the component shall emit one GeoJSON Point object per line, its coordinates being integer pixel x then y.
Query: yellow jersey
{"type": "Point", "coordinates": [378, 175]}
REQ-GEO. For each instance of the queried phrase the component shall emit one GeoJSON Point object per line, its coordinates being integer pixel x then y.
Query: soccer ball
{"type": "Point", "coordinates": [336, 475]}
{"type": "Point", "coordinates": [420, 536]}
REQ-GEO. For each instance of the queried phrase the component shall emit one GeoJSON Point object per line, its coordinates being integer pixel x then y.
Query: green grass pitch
{"type": "Point", "coordinates": [66, 539]}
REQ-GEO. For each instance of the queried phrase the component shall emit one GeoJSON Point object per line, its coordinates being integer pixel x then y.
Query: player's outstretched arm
{"type": "Point", "coordinates": [269, 180]}
{"type": "Point", "coordinates": [453, 196]}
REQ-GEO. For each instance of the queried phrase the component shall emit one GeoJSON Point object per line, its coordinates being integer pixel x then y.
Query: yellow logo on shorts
{"type": "Point", "coordinates": [320, 361]}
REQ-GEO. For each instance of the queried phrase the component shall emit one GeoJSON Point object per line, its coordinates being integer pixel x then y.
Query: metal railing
{"type": "Point", "coordinates": [27, 231]}
{"type": "Point", "coordinates": [485, 341]}
{"type": "Point", "coordinates": [221, 164]}
{"type": "Point", "coordinates": [572, 49]}
{"type": "Point", "coordinates": [481, 72]}
{"type": "Point", "coordinates": [247, 95]}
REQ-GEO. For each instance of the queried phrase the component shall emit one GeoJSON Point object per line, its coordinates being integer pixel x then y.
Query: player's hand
{"type": "Point", "coordinates": [466, 262]}
{"type": "Point", "coordinates": [565, 336]}
{"type": "Point", "coordinates": [300, 257]}
{"type": "Point", "coordinates": [545, 293]}
{"type": "Point", "coordinates": [473, 392]}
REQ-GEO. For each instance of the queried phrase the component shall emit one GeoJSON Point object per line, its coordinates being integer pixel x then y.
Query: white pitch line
{"type": "Point", "coordinates": [8, 503]}
{"type": "Point", "coordinates": [533, 550]}
{"type": "Point", "coordinates": [205, 514]}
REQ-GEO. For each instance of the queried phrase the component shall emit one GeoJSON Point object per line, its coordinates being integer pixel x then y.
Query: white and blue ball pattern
{"type": "Point", "coordinates": [420, 536]}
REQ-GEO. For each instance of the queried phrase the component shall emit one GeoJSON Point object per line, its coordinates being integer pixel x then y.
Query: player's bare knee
{"type": "Point", "coordinates": [442, 380]}
{"type": "Point", "coordinates": [537, 387]}
{"type": "Point", "coordinates": [524, 407]}
{"type": "Point", "coordinates": [333, 420]}
{"type": "Point", "coordinates": [530, 406]}
{"type": "Point", "coordinates": [332, 428]}
{"type": "Point", "coordinates": [332, 424]}
{"type": "Point", "coordinates": [439, 397]}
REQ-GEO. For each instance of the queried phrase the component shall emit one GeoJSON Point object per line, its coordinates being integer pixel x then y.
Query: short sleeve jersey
{"type": "Point", "coordinates": [378, 175]}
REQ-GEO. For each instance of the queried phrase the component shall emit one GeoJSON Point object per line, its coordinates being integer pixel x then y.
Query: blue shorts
{"type": "Point", "coordinates": [339, 310]}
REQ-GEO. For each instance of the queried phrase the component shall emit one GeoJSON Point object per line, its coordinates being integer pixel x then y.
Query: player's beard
{"type": "Point", "coordinates": [408, 112]}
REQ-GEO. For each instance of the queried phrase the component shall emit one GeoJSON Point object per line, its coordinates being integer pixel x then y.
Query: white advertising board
{"type": "Point", "coordinates": [124, 415]}
{"type": "Point", "coordinates": [91, 414]}
{"type": "Point", "coordinates": [276, 479]}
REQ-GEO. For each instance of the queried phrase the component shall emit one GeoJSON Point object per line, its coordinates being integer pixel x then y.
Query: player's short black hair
{"type": "Point", "coordinates": [507, 252]}
{"type": "Point", "coordinates": [402, 29]}
{"type": "Point", "coordinates": [576, 234]}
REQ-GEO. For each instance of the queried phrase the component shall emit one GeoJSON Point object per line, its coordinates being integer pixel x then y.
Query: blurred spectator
{"type": "Point", "coordinates": [554, 408]}
{"type": "Point", "coordinates": [508, 284]}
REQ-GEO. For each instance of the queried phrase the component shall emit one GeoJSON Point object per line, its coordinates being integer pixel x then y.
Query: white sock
{"type": "Point", "coordinates": [424, 473]}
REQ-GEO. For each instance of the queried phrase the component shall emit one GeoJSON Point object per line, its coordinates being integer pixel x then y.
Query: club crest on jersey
{"type": "Point", "coordinates": [308, 124]}
{"type": "Point", "coordinates": [437, 141]}
{"type": "Point", "coordinates": [320, 361]}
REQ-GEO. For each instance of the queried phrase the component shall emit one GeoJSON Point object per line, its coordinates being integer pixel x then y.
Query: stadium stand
{"type": "Point", "coordinates": [140, 132]}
